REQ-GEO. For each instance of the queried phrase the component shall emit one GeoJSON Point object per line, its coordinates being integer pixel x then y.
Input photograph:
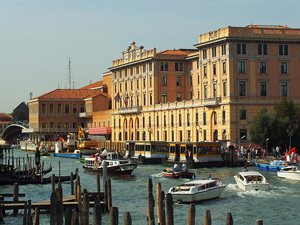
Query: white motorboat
{"type": "Point", "coordinates": [251, 180]}
{"type": "Point", "coordinates": [197, 190]}
{"type": "Point", "coordinates": [290, 172]}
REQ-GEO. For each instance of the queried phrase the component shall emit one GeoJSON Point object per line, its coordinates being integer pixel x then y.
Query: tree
{"type": "Point", "coordinates": [274, 125]}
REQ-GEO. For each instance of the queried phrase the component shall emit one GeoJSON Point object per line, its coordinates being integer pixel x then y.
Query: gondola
{"type": "Point", "coordinates": [23, 180]}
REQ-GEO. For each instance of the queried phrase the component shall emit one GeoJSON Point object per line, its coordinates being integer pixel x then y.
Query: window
{"type": "Point", "coordinates": [149, 119]}
{"type": "Point", "coordinates": [125, 72]}
{"type": "Point", "coordinates": [204, 70]}
{"type": "Point", "coordinates": [283, 50]}
{"type": "Point", "coordinates": [204, 118]}
{"type": "Point", "coordinates": [204, 135]}
{"type": "Point", "coordinates": [262, 67]}
{"type": "Point", "coordinates": [137, 70]}
{"type": "Point", "coordinates": [143, 122]}
{"type": "Point", "coordinates": [137, 100]}
{"type": "Point", "coordinates": [242, 88]}
{"type": "Point", "coordinates": [82, 107]}
{"type": "Point", "coordinates": [120, 87]}
{"type": "Point", "coordinates": [43, 124]}
{"type": "Point", "coordinates": [191, 65]}
{"type": "Point", "coordinates": [67, 109]}
{"type": "Point", "coordinates": [179, 120]}
{"type": "Point", "coordinates": [125, 85]}
{"type": "Point", "coordinates": [214, 90]}
{"type": "Point", "coordinates": [74, 109]}
{"type": "Point", "coordinates": [178, 66]}
{"type": "Point", "coordinates": [224, 49]}
{"type": "Point", "coordinates": [224, 88]}
{"type": "Point", "coordinates": [262, 49]}
{"type": "Point", "coordinates": [172, 120]}
{"type": "Point", "coordinates": [144, 95]}
{"type": "Point", "coordinates": [120, 74]}
{"type": "Point", "coordinates": [51, 109]}
{"type": "Point", "coordinates": [214, 69]}
{"type": "Point", "coordinates": [197, 119]}
{"type": "Point", "coordinates": [166, 135]}
{"type": "Point", "coordinates": [150, 81]}
{"type": "Point", "coordinates": [165, 120]}
{"type": "Point", "coordinates": [173, 135]}
{"type": "Point", "coordinates": [67, 124]}
{"type": "Point", "coordinates": [164, 81]}
{"type": "Point", "coordinates": [59, 125]}
{"type": "Point", "coordinates": [205, 91]}
{"type": "Point", "coordinates": [243, 114]}
{"type": "Point", "coordinates": [242, 67]}
{"type": "Point", "coordinates": [157, 137]}
{"type": "Point", "coordinates": [191, 94]}
{"type": "Point", "coordinates": [243, 134]}
{"type": "Point", "coordinates": [150, 99]}
{"type": "Point", "coordinates": [144, 82]}
{"type": "Point", "coordinates": [180, 135]}
{"type": "Point", "coordinates": [164, 66]}
{"type": "Point", "coordinates": [198, 78]}
{"type": "Point", "coordinates": [188, 119]}
{"type": "Point", "coordinates": [131, 71]}
{"type": "Point", "coordinates": [115, 88]}
{"type": "Point", "coordinates": [223, 117]}
{"type": "Point", "coordinates": [144, 68]}
{"type": "Point", "coordinates": [213, 51]}
{"type": "Point", "coordinates": [178, 96]}
{"type": "Point", "coordinates": [191, 80]}
{"type": "Point", "coordinates": [283, 88]}
{"type": "Point", "coordinates": [204, 54]}
{"type": "Point", "coordinates": [157, 121]}
{"type": "Point", "coordinates": [137, 83]}
{"type": "Point", "coordinates": [164, 98]}
{"type": "Point", "coordinates": [150, 66]}
{"type": "Point", "coordinates": [178, 81]}
{"type": "Point", "coordinates": [131, 85]}
{"type": "Point", "coordinates": [241, 49]}
{"type": "Point", "coordinates": [283, 67]}
{"type": "Point", "coordinates": [43, 109]}
{"type": "Point", "coordinates": [263, 88]}
{"type": "Point", "coordinates": [224, 67]}
{"type": "Point", "coordinates": [51, 125]}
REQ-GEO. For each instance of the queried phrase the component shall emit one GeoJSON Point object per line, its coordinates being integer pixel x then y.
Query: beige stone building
{"type": "Point", "coordinates": [210, 93]}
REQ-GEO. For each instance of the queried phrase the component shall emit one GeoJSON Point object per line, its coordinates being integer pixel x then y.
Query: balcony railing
{"type": "Point", "coordinates": [54, 130]}
{"type": "Point", "coordinates": [130, 110]}
{"type": "Point", "coordinates": [210, 102]}
{"type": "Point", "coordinates": [85, 115]}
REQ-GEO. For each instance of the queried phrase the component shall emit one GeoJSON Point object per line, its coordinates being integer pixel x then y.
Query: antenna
{"type": "Point", "coordinates": [69, 86]}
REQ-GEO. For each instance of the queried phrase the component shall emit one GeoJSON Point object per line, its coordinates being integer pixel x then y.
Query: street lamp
{"type": "Point", "coordinates": [267, 152]}
{"type": "Point", "coordinates": [290, 133]}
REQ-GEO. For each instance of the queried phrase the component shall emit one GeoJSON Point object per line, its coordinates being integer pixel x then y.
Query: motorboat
{"type": "Point", "coordinates": [197, 190]}
{"type": "Point", "coordinates": [251, 180]}
{"type": "Point", "coordinates": [290, 172]}
{"type": "Point", "coordinates": [115, 165]}
{"type": "Point", "coordinates": [178, 174]}
{"type": "Point", "coordinates": [275, 165]}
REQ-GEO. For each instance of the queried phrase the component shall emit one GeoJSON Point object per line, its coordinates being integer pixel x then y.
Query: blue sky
{"type": "Point", "coordinates": [38, 37]}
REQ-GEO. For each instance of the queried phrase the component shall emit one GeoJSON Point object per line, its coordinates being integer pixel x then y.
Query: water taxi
{"type": "Point", "coordinates": [251, 180]}
{"type": "Point", "coordinates": [290, 172]}
{"type": "Point", "coordinates": [179, 174]}
{"type": "Point", "coordinates": [115, 165]}
{"type": "Point", "coordinates": [197, 190]}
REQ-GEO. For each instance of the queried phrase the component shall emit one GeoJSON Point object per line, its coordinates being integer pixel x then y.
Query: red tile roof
{"type": "Point", "coordinates": [182, 52]}
{"type": "Point", "coordinates": [97, 84]}
{"type": "Point", "coordinates": [71, 94]}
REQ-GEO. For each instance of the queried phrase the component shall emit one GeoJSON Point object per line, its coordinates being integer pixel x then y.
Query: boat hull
{"type": "Point", "coordinates": [252, 186]}
{"type": "Point", "coordinates": [292, 175]}
{"type": "Point", "coordinates": [269, 167]}
{"type": "Point", "coordinates": [178, 175]}
{"type": "Point", "coordinates": [122, 171]}
{"type": "Point", "coordinates": [211, 193]}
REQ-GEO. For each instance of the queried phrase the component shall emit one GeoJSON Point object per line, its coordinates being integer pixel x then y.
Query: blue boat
{"type": "Point", "coordinates": [274, 165]}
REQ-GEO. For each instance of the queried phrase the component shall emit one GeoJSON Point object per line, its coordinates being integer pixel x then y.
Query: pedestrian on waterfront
{"type": "Point", "coordinates": [274, 154]}
{"type": "Point", "coordinates": [209, 177]}
{"type": "Point", "coordinates": [278, 152]}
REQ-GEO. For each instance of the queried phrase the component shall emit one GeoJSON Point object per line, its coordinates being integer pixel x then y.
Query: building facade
{"type": "Point", "coordinates": [210, 93]}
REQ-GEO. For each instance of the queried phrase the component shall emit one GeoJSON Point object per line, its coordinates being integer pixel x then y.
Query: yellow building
{"type": "Point", "coordinates": [212, 92]}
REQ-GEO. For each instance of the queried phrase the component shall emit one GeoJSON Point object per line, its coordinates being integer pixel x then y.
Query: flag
{"type": "Point", "coordinates": [117, 97]}
{"type": "Point", "coordinates": [126, 99]}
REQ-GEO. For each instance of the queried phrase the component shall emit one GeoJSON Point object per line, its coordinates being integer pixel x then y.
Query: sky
{"type": "Point", "coordinates": [37, 38]}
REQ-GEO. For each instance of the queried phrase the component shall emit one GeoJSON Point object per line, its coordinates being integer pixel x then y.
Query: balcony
{"type": "Point", "coordinates": [130, 110]}
{"type": "Point", "coordinates": [212, 102]}
{"type": "Point", "coordinates": [85, 115]}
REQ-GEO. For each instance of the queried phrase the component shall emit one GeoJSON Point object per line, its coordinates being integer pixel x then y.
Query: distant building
{"type": "Point", "coordinates": [5, 120]}
{"type": "Point", "coordinates": [23, 109]}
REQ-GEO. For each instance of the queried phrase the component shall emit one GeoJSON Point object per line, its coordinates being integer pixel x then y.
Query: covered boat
{"type": "Point", "coordinates": [115, 165]}
{"type": "Point", "coordinates": [274, 166]}
{"type": "Point", "coordinates": [290, 172]}
{"type": "Point", "coordinates": [169, 173]}
{"type": "Point", "coordinates": [197, 190]}
{"type": "Point", "coordinates": [251, 180]}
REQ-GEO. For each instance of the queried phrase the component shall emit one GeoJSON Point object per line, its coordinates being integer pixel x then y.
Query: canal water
{"type": "Point", "coordinates": [279, 205]}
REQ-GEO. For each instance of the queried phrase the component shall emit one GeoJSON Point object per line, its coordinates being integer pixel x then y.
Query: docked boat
{"type": "Point", "coordinates": [275, 165]}
{"type": "Point", "coordinates": [115, 165]}
{"type": "Point", "coordinates": [179, 174]}
{"type": "Point", "coordinates": [290, 172]}
{"type": "Point", "coordinates": [251, 180]}
{"type": "Point", "coordinates": [197, 190]}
